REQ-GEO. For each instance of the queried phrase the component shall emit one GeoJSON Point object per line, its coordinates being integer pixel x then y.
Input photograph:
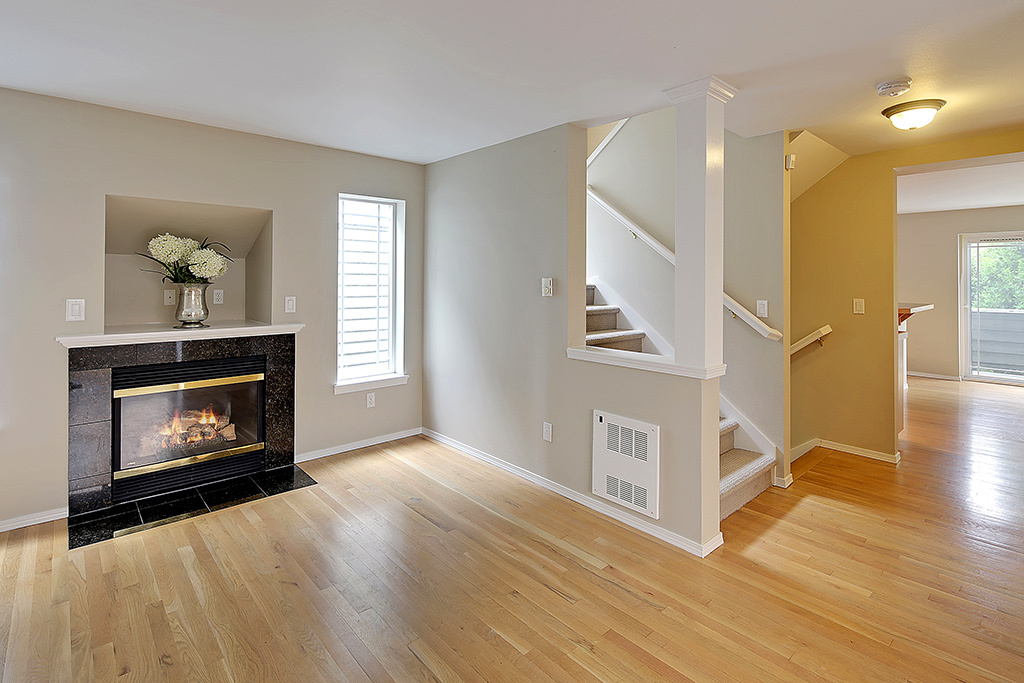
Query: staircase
{"type": "Point", "coordinates": [603, 330]}
{"type": "Point", "coordinates": [742, 474]}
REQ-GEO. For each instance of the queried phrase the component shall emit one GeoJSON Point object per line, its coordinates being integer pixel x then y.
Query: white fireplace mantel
{"type": "Point", "coordinates": [149, 333]}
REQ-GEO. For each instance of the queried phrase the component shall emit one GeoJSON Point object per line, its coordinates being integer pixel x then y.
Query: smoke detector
{"type": "Point", "coordinates": [894, 88]}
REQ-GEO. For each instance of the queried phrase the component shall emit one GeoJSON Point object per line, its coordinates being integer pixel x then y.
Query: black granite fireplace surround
{"type": "Point", "coordinates": [90, 464]}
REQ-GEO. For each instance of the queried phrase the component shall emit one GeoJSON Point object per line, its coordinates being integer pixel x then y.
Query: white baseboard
{"type": "Point", "coordinates": [803, 449]}
{"type": "Point", "coordinates": [929, 375]}
{"type": "Point", "coordinates": [863, 452]}
{"type": "Point", "coordinates": [35, 518]}
{"type": "Point", "coordinates": [681, 542]}
{"type": "Point", "coordinates": [782, 482]}
{"type": "Point", "coordinates": [356, 445]}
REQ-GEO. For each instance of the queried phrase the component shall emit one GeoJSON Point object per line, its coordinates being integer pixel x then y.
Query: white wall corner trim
{"type": "Point", "coordinates": [681, 542]}
{"type": "Point", "coordinates": [356, 445]}
{"type": "Point", "coordinates": [709, 85]}
{"type": "Point", "coordinates": [893, 458]}
{"type": "Point", "coordinates": [642, 361]}
{"type": "Point", "coordinates": [930, 375]}
{"type": "Point", "coordinates": [34, 518]}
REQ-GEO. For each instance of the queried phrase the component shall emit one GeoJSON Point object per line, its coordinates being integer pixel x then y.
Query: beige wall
{"type": "Point", "coordinates": [755, 268]}
{"type": "Point", "coordinates": [844, 247]}
{"type": "Point", "coordinates": [498, 220]}
{"type": "Point", "coordinates": [58, 161]}
{"type": "Point", "coordinates": [929, 253]}
{"type": "Point", "coordinates": [636, 173]}
{"type": "Point", "coordinates": [132, 296]}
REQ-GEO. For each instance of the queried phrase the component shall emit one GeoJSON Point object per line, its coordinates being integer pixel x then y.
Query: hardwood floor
{"type": "Point", "coordinates": [413, 563]}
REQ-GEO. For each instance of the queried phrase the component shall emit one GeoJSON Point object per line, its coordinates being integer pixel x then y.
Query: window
{"type": "Point", "coordinates": [371, 246]}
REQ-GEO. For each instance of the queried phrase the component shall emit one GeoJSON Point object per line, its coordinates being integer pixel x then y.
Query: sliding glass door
{"type": "Point", "coordinates": [992, 305]}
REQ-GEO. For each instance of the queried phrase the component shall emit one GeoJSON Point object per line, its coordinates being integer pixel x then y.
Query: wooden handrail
{"type": "Point", "coordinates": [739, 311]}
{"type": "Point", "coordinates": [647, 238]}
{"type": "Point", "coordinates": [817, 336]}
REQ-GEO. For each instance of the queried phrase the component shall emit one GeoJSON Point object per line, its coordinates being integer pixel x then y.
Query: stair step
{"type": "Point", "coordinates": [601, 317]}
{"type": "Point", "coordinates": [743, 475]}
{"type": "Point", "coordinates": [726, 434]}
{"type": "Point", "coordinates": [591, 290]}
{"type": "Point", "coordinates": [625, 340]}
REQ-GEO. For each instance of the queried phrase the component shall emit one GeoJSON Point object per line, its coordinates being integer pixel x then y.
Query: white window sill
{"type": "Point", "coordinates": [368, 383]}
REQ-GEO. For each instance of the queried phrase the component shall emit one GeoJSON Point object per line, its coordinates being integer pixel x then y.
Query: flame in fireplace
{"type": "Point", "coordinates": [195, 427]}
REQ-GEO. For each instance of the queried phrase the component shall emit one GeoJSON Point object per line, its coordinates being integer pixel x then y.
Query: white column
{"type": "Point", "coordinates": [700, 202]}
{"type": "Point", "coordinates": [700, 151]}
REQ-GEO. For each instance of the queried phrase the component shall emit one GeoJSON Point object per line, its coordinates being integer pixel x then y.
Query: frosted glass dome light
{"type": "Point", "coordinates": [913, 115]}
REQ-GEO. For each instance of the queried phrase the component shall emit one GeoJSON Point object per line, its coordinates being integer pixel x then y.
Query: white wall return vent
{"type": "Point", "coordinates": [626, 462]}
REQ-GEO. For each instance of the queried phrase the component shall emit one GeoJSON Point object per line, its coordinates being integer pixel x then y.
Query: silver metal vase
{"type": "Point", "coordinates": [191, 310]}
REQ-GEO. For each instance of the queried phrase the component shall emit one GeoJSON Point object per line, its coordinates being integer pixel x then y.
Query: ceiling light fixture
{"type": "Point", "coordinates": [913, 115]}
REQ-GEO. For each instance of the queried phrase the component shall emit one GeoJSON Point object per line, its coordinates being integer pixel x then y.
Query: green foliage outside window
{"type": "Point", "coordinates": [997, 275]}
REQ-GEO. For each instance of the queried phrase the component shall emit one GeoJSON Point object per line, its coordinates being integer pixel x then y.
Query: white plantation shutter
{"type": "Point", "coordinates": [366, 288]}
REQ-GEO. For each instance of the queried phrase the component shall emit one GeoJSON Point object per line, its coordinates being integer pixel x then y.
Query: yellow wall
{"type": "Point", "coordinates": [843, 247]}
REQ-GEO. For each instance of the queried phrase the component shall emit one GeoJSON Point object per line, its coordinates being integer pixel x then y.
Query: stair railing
{"type": "Point", "coordinates": [737, 309]}
{"type": "Point", "coordinates": [817, 336]}
{"type": "Point", "coordinates": [638, 232]}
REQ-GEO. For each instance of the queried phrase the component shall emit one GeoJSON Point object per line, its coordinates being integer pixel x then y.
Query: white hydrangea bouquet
{"type": "Point", "coordinates": [186, 260]}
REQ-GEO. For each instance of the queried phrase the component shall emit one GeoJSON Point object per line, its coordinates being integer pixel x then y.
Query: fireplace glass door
{"type": "Point", "coordinates": [168, 425]}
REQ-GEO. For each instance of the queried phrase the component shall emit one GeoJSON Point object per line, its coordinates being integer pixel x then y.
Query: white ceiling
{"type": "Point", "coordinates": [979, 187]}
{"type": "Point", "coordinates": [423, 81]}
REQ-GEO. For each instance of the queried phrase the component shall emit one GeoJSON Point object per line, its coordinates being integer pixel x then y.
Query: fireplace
{"type": "Point", "coordinates": [185, 424]}
{"type": "Point", "coordinates": [233, 395]}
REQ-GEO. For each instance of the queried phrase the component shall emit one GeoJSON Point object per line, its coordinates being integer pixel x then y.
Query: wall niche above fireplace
{"type": "Point", "coordinates": [134, 297]}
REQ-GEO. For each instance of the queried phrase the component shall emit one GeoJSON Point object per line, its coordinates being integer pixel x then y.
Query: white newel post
{"type": "Point", "coordinates": [700, 189]}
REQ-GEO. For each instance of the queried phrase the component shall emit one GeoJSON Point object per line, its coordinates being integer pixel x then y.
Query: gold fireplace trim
{"type": "Point", "coordinates": [181, 462]}
{"type": "Point", "coordinates": [179, 386]}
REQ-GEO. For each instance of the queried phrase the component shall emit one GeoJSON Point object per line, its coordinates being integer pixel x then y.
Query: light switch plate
{"type": "Point", "coordinates": [289, 304]}
{"type": "Point", "coordinates": [762, 308]}
{"type": "Point", "coordinates": [218, 296]}
{"type": "Point", "coordinates": [858, 306]}
{"type": "Point", "coordinates": [547, 287]}
{"type": "Point", "coordinates": [75, 310]}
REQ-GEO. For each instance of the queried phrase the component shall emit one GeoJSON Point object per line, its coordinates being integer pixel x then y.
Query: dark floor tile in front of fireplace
{"type": "Point", "coordinates": [224, 494]}
{"type": "Point", "coordinates": [93, 527]}
{"type": "Point", "coordinates": [170, 507]}
{"type": "Point", "coordinates": [126, 518]}
{"type": "Point", "coordinates": [283, 479]}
